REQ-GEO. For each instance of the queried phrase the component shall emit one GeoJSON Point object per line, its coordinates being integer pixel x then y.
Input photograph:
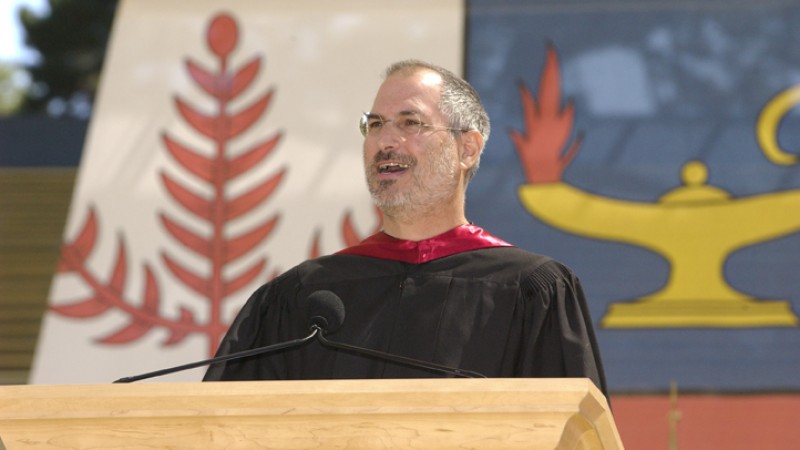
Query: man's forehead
{"type": "Point", "coordinates": [430, 78]}
{"type": "Point", "coordinates": [418, 91]}
{"type": "Point", "coordinates": [422, 77]}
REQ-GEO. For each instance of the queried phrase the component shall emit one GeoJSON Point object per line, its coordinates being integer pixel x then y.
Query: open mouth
{"type": "Point", "coordinates": [392, 167]}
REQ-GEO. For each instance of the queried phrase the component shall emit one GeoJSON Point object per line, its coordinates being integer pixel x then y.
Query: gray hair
{"type": "Point", "coordinates": [459, 102]}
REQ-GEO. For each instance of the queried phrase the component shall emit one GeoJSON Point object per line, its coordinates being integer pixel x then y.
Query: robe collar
{"type": "Point", "coordinates": [460, 239]}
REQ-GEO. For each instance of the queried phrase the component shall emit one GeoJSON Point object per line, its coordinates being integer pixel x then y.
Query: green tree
{"type": "Point", "coordinates": [12, 88]}
{"type": "Point", "coordinates": [71, 41]}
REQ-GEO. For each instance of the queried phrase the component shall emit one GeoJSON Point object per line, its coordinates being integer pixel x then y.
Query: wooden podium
{"type": "Point", "coordinates": [330, 414]}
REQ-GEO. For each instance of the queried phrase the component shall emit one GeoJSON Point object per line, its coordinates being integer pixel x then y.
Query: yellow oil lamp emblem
{"type": "Point", "coordinates": [695, 226]}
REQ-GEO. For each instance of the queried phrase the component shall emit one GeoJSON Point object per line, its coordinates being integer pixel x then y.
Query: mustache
{"type": "Point", "coordinates": [392, 155]}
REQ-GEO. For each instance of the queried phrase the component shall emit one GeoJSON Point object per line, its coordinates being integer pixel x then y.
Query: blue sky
{"type": "Point", "coordinates": [12, 46]}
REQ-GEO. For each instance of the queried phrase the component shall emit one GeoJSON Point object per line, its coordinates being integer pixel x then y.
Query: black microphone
{"type": "Point", "coordinates": [325, 314]}
{"type": "Point", "coordinates": [327, 309]}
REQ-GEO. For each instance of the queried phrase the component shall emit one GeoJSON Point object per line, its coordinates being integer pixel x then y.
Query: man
{"type": "Point", "coordinates": [430, 286]}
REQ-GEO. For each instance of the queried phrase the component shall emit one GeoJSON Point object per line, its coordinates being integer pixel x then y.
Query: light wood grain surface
{"type": "Point", "coordinates": [325, 414]}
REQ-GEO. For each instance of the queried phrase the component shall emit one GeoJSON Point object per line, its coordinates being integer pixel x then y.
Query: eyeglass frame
{"type": "Point", "coordinates": [366, 116]}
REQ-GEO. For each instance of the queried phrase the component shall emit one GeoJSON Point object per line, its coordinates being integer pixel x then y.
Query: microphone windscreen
{"type": "Point", "coordinates": [326, 310]}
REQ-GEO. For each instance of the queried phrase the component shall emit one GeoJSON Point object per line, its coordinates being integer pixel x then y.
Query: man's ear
{"type": "Point", "coordinates": [471, 146]}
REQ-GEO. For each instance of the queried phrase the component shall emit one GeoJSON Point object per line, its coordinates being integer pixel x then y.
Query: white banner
{"type": "Point", "coordinates": [223, 149]}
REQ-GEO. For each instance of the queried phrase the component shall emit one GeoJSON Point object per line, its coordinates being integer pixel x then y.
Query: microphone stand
{"type": "Point", "coordinates": [438, 368]}
{"type": "Point", "coordinates": [315, 332]}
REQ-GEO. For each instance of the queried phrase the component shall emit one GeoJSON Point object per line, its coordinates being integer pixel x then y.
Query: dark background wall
{"type": "Point", "coordinates": [39, 157]}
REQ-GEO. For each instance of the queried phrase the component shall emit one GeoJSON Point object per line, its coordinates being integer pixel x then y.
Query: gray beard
{"type": "Point", "coordinates": [433, 184]}
{"type": "Point", "coordinates": [391, 204]}
{"type": "Point", "coordinates": [421, 197]}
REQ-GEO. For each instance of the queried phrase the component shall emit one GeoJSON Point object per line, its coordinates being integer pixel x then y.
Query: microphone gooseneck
{"type": "Point", "coordinates": [411, 362]}
{"type": "Point", "coordinates": [326, 314]}
{"type": "Point", "coordinates": [231, 356]}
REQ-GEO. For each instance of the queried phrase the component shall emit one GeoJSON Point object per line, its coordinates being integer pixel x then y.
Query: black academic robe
{"type": "Point", "coordinates": [498, 311]}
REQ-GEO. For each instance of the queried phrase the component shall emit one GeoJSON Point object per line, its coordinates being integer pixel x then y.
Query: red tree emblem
{"type": "Point", "coordinates": [216, 211]}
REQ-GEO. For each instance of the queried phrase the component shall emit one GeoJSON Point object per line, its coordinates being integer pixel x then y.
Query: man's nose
{"type": "Point", "coordinates": [389, 135]}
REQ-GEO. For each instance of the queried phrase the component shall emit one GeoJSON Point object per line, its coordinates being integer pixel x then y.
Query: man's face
{"type": "Point", "coordinates": [410, 172]}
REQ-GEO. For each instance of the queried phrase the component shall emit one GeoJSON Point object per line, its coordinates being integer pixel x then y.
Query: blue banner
{"type": "Point", "coordinates": [655, 150]}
